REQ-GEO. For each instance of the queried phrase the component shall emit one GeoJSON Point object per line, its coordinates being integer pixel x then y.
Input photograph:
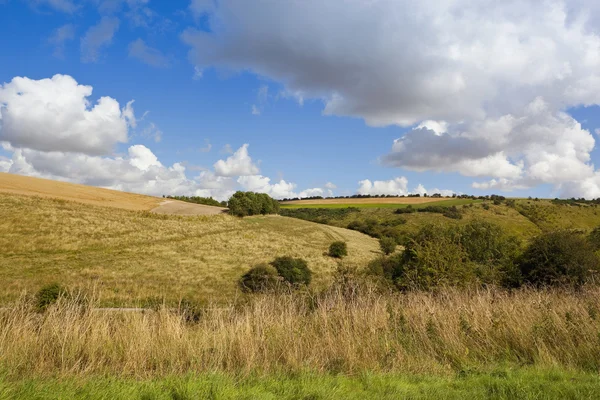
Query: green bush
{"type": "Point", "coordinates": [320, 215]}
{"type": "Point", "coordinates": [561, 258]}
{"type": "Point", "coordinates": [594, 238]}
{"type": "Point", "coordinates": [387, 245]}
{"type": "Point", "coordinates": [48, 295]}
{"type": "Point", "coordinates": [338, 249]}
{"type": "Point", "coordinates": [243, 204]}
{"type": "Point", "coordinates": [293, 270]}
{"type": "Point", "coordinates": [439, 255]}
{"type": "Point", "coordinates": [260, 278]}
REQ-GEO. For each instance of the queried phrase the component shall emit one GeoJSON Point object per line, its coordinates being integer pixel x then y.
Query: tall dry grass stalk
{"type": "Point", "coordinates": [339, 331]}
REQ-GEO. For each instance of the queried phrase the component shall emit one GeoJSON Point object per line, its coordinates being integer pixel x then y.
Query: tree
{"type": "Point", "coordinates": [561, 258]}
{"type": "Point", "coordinates": [338, 249]}
{"type": "Point", "coordinates": [387, 245]}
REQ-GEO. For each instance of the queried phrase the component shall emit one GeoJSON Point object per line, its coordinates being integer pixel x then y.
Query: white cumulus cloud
{"type": "Point", "coordinates": [55, 115]}
{"type": "Point", "coordinates": [238, 164]}
{"type": "Point", "coordinates": [486, 84]}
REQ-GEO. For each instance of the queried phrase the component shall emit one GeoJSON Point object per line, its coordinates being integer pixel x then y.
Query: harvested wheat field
{"type": "Point", "coordinates": [132, 256]}
{"type": "Point", "coordinates": [25, 185]}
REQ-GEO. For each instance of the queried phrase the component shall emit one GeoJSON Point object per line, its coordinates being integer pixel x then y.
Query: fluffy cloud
{"type": "Point", "coordinates": [397, 186]}
{"type": "Point", "coordinates": [55, 115]}
{"type": "Point", "coordinates": [485, 83]}
{"type": "Point", "coordinates": [238, 164]}
{"type": "Point", "coordinates": [51, 131]}
{"type": "Point", "coordinates": [151, 56]}
{"type": "Point", "coordinates": [98, 37]}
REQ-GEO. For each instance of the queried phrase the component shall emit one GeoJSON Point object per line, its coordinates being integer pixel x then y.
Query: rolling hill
{"type": "Point", "coordinates": [110, 242]}
{"type": "Point", "coordinates": [30, 186]}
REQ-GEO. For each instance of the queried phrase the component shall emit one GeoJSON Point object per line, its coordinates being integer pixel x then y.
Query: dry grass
{"type": "Point", "coordinates": [133, 255]}
{"type": "Point", "coordinates": [339, 331]}
{"type": "Point", "coordinates": [26, 185]}
{"type": "Point", "coordinates": [383, 200]}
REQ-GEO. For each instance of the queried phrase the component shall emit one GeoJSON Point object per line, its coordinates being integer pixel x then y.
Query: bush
{"type": "Point", "coordinates": [594, 238]}
{"type": "Point", "coordinates": [387, 245]}
{"type": "Point", "coordinates": [338, 249]}
{"type": "Point", "coordinates": [244, 204]}
{"type": "Point", "coordinates": [48, 295]}
{"type": "Point", "coordinates": [561, 258]}
{"type": "Point", "coordinates": [293, 270]}
{"type": "Point", "coordinates": [260, 278]}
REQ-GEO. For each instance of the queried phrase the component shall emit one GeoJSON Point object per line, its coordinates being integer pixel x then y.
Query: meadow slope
{"type": "Point", "coordinates": [129, 256]}
{"type": "Point", "coordinates": [30, 186]}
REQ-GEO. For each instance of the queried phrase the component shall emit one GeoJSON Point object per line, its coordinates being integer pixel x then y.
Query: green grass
{"type": "Point", "coordinates": [449, 203]}
{"type": "Point", "coordinates": [500, 384]}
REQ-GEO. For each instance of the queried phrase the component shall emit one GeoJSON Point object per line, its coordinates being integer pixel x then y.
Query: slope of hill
{"type": "Point", "coordinates": [130, 256]}
{"type": "Point", "coordinates": [26, 185]}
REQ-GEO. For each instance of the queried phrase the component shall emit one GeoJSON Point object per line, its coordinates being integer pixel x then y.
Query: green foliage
{"type": "Point", "coordinates": [594, 238]}
{"type": "Point", "coordinates": [293, 270]}
{"type": "Point", "coordinates": [320, 215]}
{"type": "Point", "coordinates": [208, 201]}
{"type": "Point", "coordinates": [48, 295]}
{"type": "Point", "coordinates": [387, 245]}
{"type": "Point", "coordinates": [476, 253]}
{"type": "Point", "coordinates": [561, 258]}
{"type": "Point", "coordinates": [244, 204]}
{"type": "Point", "coordinates": [338, 249]}
{"type": "Point", "coordinates": [260, 278]}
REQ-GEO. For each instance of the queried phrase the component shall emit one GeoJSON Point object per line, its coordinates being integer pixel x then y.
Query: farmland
{"type": "Point", "coordinates": [348, 332]}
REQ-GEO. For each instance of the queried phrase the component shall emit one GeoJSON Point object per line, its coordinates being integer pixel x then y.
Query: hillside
{"type": "Point", "coordinates": [522, 218]}
{"type": "Point", "coordinates": [133, 256]}
{"type": "Point", "coordinates": [25, 185]}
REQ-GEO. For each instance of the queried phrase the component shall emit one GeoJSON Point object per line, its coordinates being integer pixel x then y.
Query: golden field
{"type": "Point", "coordinates": [132, 256]}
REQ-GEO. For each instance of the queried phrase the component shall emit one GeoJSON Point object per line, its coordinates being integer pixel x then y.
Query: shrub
{"type": "Point", "coordinates": [387, 245]}
{"type": "Point", "coordinates": [453, 212]}
{"type": "Point", "coordinates": [594, 238]}
{"type": "Point", "coordinates": [293, 270]}
{"type": "Point", "coordinates": [48, 295]}
{"type": "Point", "coordinates": [260, 278]}
{"type": "Point", "coordinates": [338, 249]}
{"type": "Point", "coordinates": [243, 204]}
{"type": "Point", "coordinates": [561, 258]}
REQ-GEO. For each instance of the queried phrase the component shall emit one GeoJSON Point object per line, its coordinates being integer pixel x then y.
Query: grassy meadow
{"type": "Point", "coordinates": [348, 341]}
{"type": "Point", "coordinates": [131, 257]}
{"type": "Point", "coordinates": [347, 335]}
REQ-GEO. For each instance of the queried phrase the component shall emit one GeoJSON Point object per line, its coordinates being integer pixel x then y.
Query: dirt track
{"type": "Point", "coordinates": [174, 207]}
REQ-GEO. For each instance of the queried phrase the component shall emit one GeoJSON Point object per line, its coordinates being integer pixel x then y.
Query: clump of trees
{"type": "Point", "coordinates": [450, 212]}
{"type": "Point", "coordinates": [338, 249]}
{"type": "Point", "coordinates": [319, 215]}
{"type": "Point", "coordinates": [244, 204]}
{"type": "Point", "coordinates": [282, 270]}
{"type": "Point", "coordinates": [208, 201]}
{"type": "Point", "coordinates": [561, 258]}
{"type": "Point", "coordinates": [481, 253]}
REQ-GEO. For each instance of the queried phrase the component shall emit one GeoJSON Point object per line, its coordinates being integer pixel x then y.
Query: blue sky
{"type": "Point", "coordinates": [319, 100]}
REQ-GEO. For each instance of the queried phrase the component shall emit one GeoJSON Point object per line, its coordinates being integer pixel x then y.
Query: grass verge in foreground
{"type": "Point", "coordinates": [499, 384]}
